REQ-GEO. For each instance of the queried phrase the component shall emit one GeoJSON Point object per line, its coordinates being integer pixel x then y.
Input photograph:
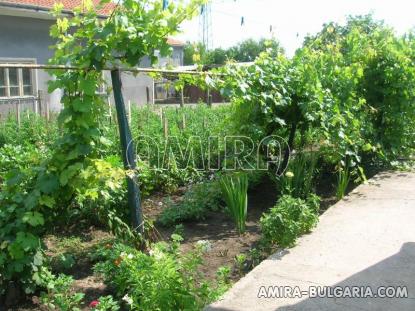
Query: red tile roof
{"type": "Point", "coordinates": [68, 5]}
{"type": "Point", "coordinates": [175, 42]}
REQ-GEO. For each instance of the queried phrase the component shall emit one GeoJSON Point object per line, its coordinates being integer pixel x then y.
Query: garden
{"type": "Point", "coordinates": [221, 187]}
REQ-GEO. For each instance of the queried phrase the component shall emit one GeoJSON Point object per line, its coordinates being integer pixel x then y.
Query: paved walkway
{"type": "Point", "coordinates": [367, 239]}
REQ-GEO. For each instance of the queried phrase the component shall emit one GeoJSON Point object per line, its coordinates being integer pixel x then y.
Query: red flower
{"type": "Point", "coordinates": [94, 303]}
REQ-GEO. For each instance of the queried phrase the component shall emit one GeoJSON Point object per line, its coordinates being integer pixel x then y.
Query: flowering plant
{"type": "Point", "coordinates": [105, 303]}
{"type": "Point", "coordinates": [162, 279]}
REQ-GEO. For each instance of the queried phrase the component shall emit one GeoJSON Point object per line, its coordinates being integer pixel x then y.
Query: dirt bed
{"type": "Point", "coordinates": [217, 228]}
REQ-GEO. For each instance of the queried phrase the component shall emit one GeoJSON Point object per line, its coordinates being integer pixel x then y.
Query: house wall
{"type": "Point", "coordinates": [23, 37]}
{"type": "Point", "coordinates": [28, 38]}
{"type": "Point", "coordinates": [139, 90]}
{"type": "Point", "coordinates": [136, 89]}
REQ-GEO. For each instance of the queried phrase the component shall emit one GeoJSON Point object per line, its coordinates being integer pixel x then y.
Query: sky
{"type": "Point", "coordinates": [292, 20]}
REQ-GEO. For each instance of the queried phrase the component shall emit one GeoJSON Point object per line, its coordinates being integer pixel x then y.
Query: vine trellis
{"type": "Point", "coordinates": [127, 146]}
{"type": "Point", "coordinates": [85, 45]}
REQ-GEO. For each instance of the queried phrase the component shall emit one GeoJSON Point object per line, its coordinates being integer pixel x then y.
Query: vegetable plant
{"type": "Point", "coordinates": [163, 279]}
{"type": "Point", "coordinates": [234, 190]}
{"type": "Point", "coordinates": [195, 205]}
{"type": "Point", "coordinates": [59, 295]}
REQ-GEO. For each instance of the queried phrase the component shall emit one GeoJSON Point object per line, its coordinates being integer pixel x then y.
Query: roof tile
{"type": "Point", "coordinates": [67, 4]}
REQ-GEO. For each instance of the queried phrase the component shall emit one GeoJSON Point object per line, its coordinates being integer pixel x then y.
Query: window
{"type": "Point", "coordinates": [3, 86]}
{"type": "Point", "coordinates": [27, 82]}
{"type": "Point", "coordinates": [13, 82]}
{"type": "Point", "coordinates": [16, 82]}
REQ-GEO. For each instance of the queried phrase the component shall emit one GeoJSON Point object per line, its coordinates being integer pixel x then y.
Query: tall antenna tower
{"type": "Point", "coordinates": [205, 25]}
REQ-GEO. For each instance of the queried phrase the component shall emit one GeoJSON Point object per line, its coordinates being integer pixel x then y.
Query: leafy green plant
{"type": "Point", "coordinates": [343, 180]}
{"type": "Point", "coordinates": [366, 66]}
{"type": "Point", "coordinates": [196, 203]}
{"type": "Point", "coordinates": [59, 295]}
{"type": "Point", "coordinates": [34, 130]}
{"type": "Point", "coordinates": [21, 255]}
{"type": "Point", "coordinates": [298, 180]}
{"type": "Point", "coordinates": [223, 281]}
{"type": "Point", "coordinates": [234, 190]}
{"type": "Point", "coordinates": [290, 218]}
{"type": "Point", "coordinates": [179, 159]}
{"type": "Point", "coordinates": [240, 262]}
{"type": "Point", "coordinates": [66, 261]}
{"type": "Point", "coordinates": [274, 96]}
{"type": "Point", "coordinates": [256, 256]}
{"type": "Point", "coordinates": [223, 274]}
{"type": "Point", "coordinates": [75, 175]}
{"type": "Point", "coordinates": [105, 303]}
{"type": "Point", "coordinates": [18, 157]}
{"type": "Point", "coordinates": [164, 279]}
{"type": "Point", "coordinates": [179, 229]}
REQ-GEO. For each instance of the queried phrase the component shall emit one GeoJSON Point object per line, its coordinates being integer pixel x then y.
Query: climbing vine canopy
{"type": "Point", "coordinates": [74, 174]}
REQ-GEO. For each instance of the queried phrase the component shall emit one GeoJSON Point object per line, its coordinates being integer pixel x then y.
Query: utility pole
{"type": "Point", "coordinates": [205, 26]}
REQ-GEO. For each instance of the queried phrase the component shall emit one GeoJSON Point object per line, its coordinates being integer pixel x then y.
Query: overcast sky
{"type": "Point", "coordinates": [291, 20]}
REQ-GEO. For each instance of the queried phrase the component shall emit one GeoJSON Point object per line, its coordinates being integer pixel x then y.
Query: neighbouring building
{"type": "Point", "coordinates": [24, 38]}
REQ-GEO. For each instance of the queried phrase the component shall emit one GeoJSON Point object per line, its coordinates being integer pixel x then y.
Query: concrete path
{"type": "Point", "coordinates": [367, 239]}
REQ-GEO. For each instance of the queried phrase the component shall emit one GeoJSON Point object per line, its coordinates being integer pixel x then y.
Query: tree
{"type": "Point", "coordinates": [194, 53]}
{"type": "Point", "coordinates": [274, 96]}
{"type": "Point", "coordinates": [245, 51]}
{"type": "Point", "coordinates": [371, 74]}
{"type": "Point", "coordinates": [248, 50]}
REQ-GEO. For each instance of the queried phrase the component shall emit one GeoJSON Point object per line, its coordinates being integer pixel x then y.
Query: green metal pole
{"type": "Point", "coordinates": [128, 154]}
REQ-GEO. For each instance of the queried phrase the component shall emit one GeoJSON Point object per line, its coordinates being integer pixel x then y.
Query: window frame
{"type": "Point", "coordinates": [33, 76]}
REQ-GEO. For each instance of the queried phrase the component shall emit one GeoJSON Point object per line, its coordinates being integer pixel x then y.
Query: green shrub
{"type": "Point", "coordinates": [14, 157]}
{"type": "Point", "coordinates": [31, 204]}
{"type": "Point", "coordinates": [197, 202]}
{"type": "Point", "coordinates": [164, 279]}
{"type": "Point", "coordinates": [59, 294]}
{"type": "Point", "coordinates": [20, 230]}
{"type": "Point", "coordinates": [255, 178]}
{"type": "Point", "coordinates": [290, 218]}
{"type": "Point", "coordinates": [234, 190]}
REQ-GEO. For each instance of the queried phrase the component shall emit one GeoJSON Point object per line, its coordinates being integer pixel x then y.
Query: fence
{"type": "Point", "coordinates": [20, 106]}
{"type": "Point", "coordinates": [137, 90]}
{"type": "Point", "coordinates": [165, 93]}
